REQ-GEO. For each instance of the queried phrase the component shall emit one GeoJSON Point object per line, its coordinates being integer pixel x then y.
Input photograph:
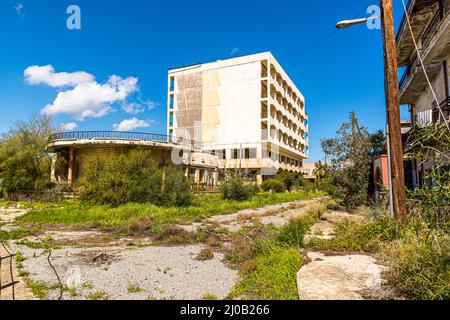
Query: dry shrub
{"type": "Point", "coordinates": [205, 254]}
{"type": "Point", "coordinates": [140, 225]}
{"type": "Point", "coordinates": [173, 235]}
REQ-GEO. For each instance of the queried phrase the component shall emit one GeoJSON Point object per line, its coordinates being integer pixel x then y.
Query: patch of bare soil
{"type": "Point", "coordinates": [12, 287]}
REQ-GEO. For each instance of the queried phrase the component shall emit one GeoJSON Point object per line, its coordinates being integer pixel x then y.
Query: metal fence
{"type": "Point", "coordinates": [118, 135]}
{"type": "Point", "coordinates": [11, 283]}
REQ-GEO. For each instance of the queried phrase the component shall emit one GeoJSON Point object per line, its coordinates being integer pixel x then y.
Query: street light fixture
{"type": "Point", "coordinates": [348, 23]}
{"type": "Point", "coordinates": [397, 181]}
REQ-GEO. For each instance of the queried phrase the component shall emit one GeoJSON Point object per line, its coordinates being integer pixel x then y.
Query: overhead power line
{"type": "Point", "coordinates": [325, 38]}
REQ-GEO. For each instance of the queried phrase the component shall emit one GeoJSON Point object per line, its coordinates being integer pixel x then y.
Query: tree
{"type": "Point", "coordinates": [432, 200]}
{"type": "Point", "coordinates": [351, 162]}
{"type": "Point", "coordinates": [378, 144]}
{"type": "Point", "coordinates": [320, 170]}
{"type": "Point", "coordinates": [24, 161]}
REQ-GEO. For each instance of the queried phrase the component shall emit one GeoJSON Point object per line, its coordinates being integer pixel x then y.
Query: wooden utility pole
{"type": "Point", "coordinates": [393, 109]}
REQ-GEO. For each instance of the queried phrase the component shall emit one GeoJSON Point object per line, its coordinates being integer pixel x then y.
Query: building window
{"type": "Point", "coordinates": [171, 101]}
{"type": "Point", "coordinates": [172, 84]}
{"type": "Point", "coordinates": [235, 154]}
{"type": "Point", "coordinates": [171, 120]}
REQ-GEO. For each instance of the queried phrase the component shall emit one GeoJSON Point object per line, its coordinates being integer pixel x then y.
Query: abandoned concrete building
{"type": "Point", "coordinates": [430, 24]}
{"type": "Point", "coordinates": [239, 114]}
{"type": "Point", "coordinates": [245, 110]}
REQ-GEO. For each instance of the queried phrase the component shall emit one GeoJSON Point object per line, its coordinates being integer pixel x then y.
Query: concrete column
{"type": "Point", "coordinates": [216, 177]}
{"type": "Point", "coordinates": [197, 176]}
{"type": "Point", "coordinates": [53, 169]}
{"type": "Point", "coordinates": [70, 170]}
{"type": "Point", "coordinates": [259, 179]}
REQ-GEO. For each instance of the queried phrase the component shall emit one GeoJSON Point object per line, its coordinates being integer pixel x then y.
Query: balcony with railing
{"type": "Point", "coordinates": [117, 135]}
{"type": "Point", "coordinates": [436, 37]}
{"type": "Point", "coordinates": [414, 82]}
{"type": "Point", "coordinates": [444, 111]}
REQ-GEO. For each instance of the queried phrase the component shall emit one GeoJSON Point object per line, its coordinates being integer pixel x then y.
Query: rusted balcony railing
{"type": "Point", "coordinates": [413, 64]}
{"type": "Point", "coordinates": [433, 27]}
{"type": "Point", "coordinates": [445, 108]}
{"type": "Point", "coordinates": [118, 135]}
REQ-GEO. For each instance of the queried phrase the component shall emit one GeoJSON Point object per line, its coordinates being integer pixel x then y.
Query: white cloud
{"type": "Point", "coordinates": [67, 126]}
{"type": "Point", "coordinates": [35, 75]}
{"type": "Point", "coordinates": [132, 108]}
{"type": "Point", "coordinates": [19, 8]}
{"type": "Point", "coordinates": [131, 124]}
{"type": "Point", "coordinates": [235, 50]}
{"type": "Point", "coordinates": [81, 97]}
{"type": "Point", "coordinates": [135, 108]}
{"type": "Point", "coordinates": [151, 104]}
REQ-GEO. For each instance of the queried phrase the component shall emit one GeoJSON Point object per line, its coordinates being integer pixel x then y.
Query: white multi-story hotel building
{"type": "Point", "coordinates": [245, 110]}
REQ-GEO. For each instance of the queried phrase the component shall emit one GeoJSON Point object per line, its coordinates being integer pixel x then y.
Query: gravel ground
{"type": "Point", "coordinates": [156, 272]}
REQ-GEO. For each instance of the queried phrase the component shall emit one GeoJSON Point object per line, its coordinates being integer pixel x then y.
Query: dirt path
{"type": "Point", "coordinates": [339, 277]}
{"type": "Point", "coordinates": [277, 215]}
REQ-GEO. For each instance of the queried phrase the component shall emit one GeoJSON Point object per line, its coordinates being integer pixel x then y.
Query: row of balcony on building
{"type": "Point", "coordinates": [281, 84]}
{"type": "Point", "coordinates": [295, 110]}
{"type": "Point", "coordinates": [284, 139]}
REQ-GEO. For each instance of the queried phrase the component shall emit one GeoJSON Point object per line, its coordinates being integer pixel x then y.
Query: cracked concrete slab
{"type": "Point", "coordinates": [349, 277]}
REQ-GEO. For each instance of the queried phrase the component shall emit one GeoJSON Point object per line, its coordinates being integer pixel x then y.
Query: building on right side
{"type": "Point", "coordinates": [430, 24]}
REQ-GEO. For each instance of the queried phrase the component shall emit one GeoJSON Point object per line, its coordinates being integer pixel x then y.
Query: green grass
{"type": "Point", "coordinates": [270, 261]}
{"type": "Point", "coordinates": [35, 205]}
{"type": "Point", "coordinates": [83, 215]}
{"type": "Point", "coordinates": [98, 295]}
{"type": "Point", "coordinates": [359, 237]}
{"type": "Point", "coordinates": [11, 235]}
{"type": "Point", "coordinates": [134, 288]}
{"type": "Point", "coordinates": [271, 275]}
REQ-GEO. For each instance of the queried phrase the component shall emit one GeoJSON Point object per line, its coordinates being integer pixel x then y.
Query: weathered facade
{"type": "Point", "coordinates": [430, 24]}
{"type": "Point", "coordinates": [245, 110]}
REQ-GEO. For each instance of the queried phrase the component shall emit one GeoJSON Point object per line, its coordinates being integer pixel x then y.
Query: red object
{"type": "Point", "coordinates": [381, 172]}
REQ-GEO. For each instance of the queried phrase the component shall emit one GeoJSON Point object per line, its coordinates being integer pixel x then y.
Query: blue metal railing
{"type": "Point", "coordinates": [117, 135]}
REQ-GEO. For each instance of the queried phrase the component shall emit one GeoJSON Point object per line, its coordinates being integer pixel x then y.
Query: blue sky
{"type": "Point", "coordinates": [142, 39]}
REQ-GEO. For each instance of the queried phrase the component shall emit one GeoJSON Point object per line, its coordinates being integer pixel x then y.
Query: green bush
{"type": "Point", "coordinates": [176, 190]}
{"type": "Point", "coordinates": [294, 233]}
{"type": "Point", "coordinates": [273, 185]}
{"type": "Point", "coordinates": [421, 267]}
{"type": "Point", "coordinates": [366, 237]}
{"type": "Point", "coordinates": [24, 161]}
{"type": "Point", "coordinates": [235, 188]}
{"type": "Point", "coordinates": [290, 180]}
{"type": "Point", "coordinates": [132, 177]}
